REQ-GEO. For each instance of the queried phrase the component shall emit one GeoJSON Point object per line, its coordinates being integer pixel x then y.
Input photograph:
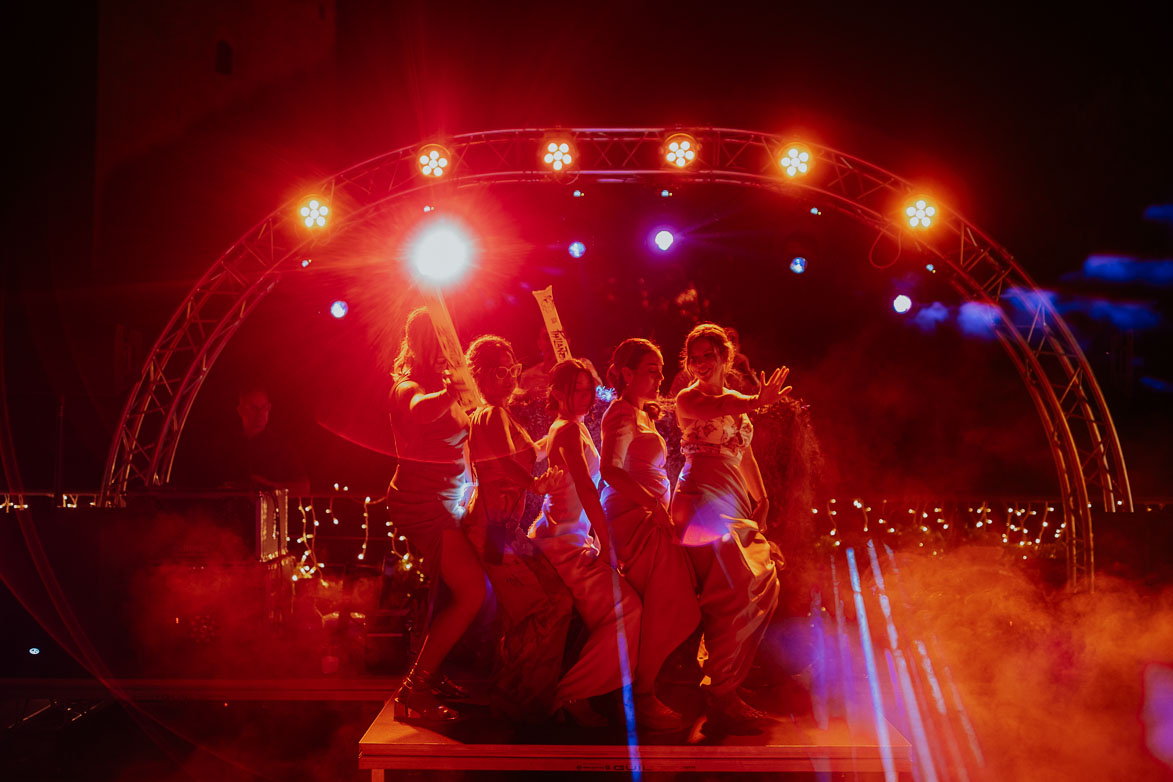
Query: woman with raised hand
{"type": "Point", "coordinates": [425, 499]}
{"type": "Point", "coordinates": [635, 501]}
{"type": "Point", "coordinates": [720, 508]}
{"type": "Point", "coordinates": [536, 606]}
{"type": "Point", "coordinates": [572, 532]}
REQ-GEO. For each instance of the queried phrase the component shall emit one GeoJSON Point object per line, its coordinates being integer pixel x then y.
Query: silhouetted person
{"type": "Point", "coordinates": [256, 457]}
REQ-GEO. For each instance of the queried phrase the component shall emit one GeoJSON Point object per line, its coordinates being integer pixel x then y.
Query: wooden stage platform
{"type": "Point", "coordinates": [785, 745]}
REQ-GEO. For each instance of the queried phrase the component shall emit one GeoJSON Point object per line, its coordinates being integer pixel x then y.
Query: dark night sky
{"type": "Point", "coordinates": [1049, 129]}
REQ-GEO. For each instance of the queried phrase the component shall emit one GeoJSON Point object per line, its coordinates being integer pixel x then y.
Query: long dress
{"type": "Point", "coordinates": [738, 581]}
{"type": "Point", "coordinates": [608, 605]}
{"type": "Point", "coordinates": [535, 605]}
{"type": "Point", "coordinates": [427, 490]}
{"type": "Point", "coordinates": [654, 562]}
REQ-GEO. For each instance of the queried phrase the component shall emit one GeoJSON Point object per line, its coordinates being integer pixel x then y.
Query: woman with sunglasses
{"type": "Point", "coordinates": [635, 501]}
{"type": "Point", "coordinates": [535, 605]}
{"type": "Point", "coordinates": [573, 534]}
{"type": "Point", "coordinates": [425, 499]}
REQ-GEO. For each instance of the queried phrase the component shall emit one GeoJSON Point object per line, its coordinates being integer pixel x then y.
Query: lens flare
{"type": "Point", "coordinates": [441, 253]}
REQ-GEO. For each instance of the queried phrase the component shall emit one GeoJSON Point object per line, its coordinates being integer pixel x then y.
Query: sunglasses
{"type": "Point", "coordinates": [503, 372]}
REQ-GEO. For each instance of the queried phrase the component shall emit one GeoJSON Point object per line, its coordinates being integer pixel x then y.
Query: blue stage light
{"type": "Point", "coordinates": [338, 309]}
{"type": "Point", "coordinates": [664, 239]}
{"type": "Point", "coordinates": [665, 193]}
{"type": "Point", "coordinates": [798, 265]}
{"type": "Point", "coordinates": [34, 650]}
{"type": "Point", "coordinates": [576, 249]}
{"type": "Point", "coordinates": [578, 194]}
{"type": "Point", "coordinates": [902, 304]}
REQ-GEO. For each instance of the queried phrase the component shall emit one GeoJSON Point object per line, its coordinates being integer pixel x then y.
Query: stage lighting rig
{"type": "Point", "coordinates": [920, 214]}
{"type": "Point", "coordinates": [680, 150]}
{"type": "Point", "coordinates": [434, 160]}
{"type": "Point", "coordinates": [313, 213]}
{"type": "Point", "coordinates": [795, 160]}
{"type": "Point", "coordinates": [558, 154]}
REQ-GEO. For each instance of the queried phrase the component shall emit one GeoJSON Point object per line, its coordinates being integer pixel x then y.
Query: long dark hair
{"type": "Point", "coordinates": [419, 349]}
{"type": "Point", "coordinates": [628, 355]}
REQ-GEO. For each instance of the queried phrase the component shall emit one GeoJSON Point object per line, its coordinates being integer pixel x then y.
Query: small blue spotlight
{"type": "Point", "coordinates": [428, 208]}
{"type": "Point", "coordinates": [664, 240]}
{"type": "Point", "coordinates": [902, 304]}
{"type": "Point", "coordinates": [931, 268]}
{"type": "Point", "coordinates": [339, 309]}
{"type": "Point", "coordinates": [798, 265]}
{"type": "Point", "coordinates": [665, 194]}
{"type": "Point", "coordinates": [815, 210]}
{"type": "Point", "coordinates": [576, 249]}
{"type": "Point", "coordinates": [34, 650]}
{"type": "Point", "coordinates": [305, 262]}
{"type": "Point", "coordinates": [578, 194]}
{"type": "Point", "coordinates": [604, 394]}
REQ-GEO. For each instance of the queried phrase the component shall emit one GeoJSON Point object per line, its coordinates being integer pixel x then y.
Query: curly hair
{"type": "Point", "coordinates": [564, 376]}
{"type": "Point", "coordinates": [419, 349]}
{"type": "Point", "coordinates": [628, 355]}
{"type": "Point", "coordinates": [483, 351]}
{"type": "Point", "coordinates": [716, 337]}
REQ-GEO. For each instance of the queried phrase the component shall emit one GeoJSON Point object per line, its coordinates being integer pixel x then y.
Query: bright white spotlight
{"type": "Point", "coordinates": [664, 239]}
{"type": "Point", "coordinates": [441, 253]}
{"type": "Point", "coordinates": [339, 309]}
{"type": "Point", "coordinates": [576, 249]}
{"type": "Point", "coordinates": [902, 304]}
{"type": "Point", "coordinates": [798, 265]}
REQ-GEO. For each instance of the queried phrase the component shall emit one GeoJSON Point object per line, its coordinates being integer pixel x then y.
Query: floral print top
{"type": "Point", "coordinates": [727, 435]}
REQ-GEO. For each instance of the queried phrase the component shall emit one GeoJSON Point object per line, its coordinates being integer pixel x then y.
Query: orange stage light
{"type": "Point", "coordinates": [680, 149]}
{"type": "Point", "coordinates": [920, 214]}
{"type": "Point", "coordinates": [795, 159]}
{"type": "Point", "coordinates": [314, 213]}
{"type": "Point", "coordinates": [558, 154]}
{"type": "Point", "coordinates": [434, 160]}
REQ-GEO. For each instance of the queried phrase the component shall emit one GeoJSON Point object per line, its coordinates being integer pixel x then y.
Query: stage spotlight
{"type": "Point", "coordinates": [433, 160]}
{"type": "Point", "coordinates": [795, 159]}
{"type": "Point", "coordinates": [34, 650]}
{"type": "Point", "coordinates": [577, 194]}
{"type": "Point", "coordinates": [558, 154]}
{"type": "Point", "coordinates": [680, 150]}
{"type": "Point", "coordinates": [902, 304]}
{"type": "Point", "coordinates": [339, 309]}
{"type": "Point", "coordinates": [576, 249]}
{"type": "Point", "coordinates": [305, 262]}
{"type": "Point", "coordinates": [664, 239]}
{"type": "Point", "coordinates": [313, 214]}
{"type": "Point", "coordinates": [920, 214]}
{"type": "Point", "coordinates": [798, 265]}
{"type": "Point", "coordinates": [441, 253]}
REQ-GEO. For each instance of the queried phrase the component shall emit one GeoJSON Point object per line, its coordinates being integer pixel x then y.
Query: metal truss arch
{"type": "Point", "coordinates": [1071, 406]}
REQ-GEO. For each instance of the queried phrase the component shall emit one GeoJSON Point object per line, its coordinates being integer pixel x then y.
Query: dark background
{"type": "Point", "coordinates": [151, 137]}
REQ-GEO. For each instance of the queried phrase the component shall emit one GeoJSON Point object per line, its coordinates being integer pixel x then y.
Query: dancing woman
{"type": "Point", "coordinates": [573, 534]}
{"type": "Point", "coordinates": [535, 604]}
{"type": "Point", "coordinates": [424, 498]}
{"type": "Point", "coordinates": [635, 501]}
{"type": "Point", "coordinates": [719, 508]}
